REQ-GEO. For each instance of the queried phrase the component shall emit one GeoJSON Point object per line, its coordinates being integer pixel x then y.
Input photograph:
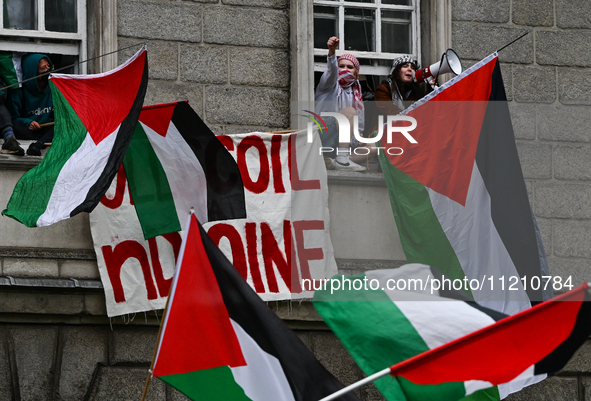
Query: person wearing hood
{"type": "Point", "coordinates": [8, 77]}
{"type": "Point", "coordinates": [32, 105]}
{"type": "Point", "coordinates": [339, 91]}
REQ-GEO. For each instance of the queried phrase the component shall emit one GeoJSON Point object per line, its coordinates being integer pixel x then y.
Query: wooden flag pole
{"type": "Point", "coordinates": [155, 349]}
{"type": "Point", "coordinates": [47, 124]}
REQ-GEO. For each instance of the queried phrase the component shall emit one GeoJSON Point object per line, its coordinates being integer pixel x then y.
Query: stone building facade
{"type": "Point", "coordinates": [242, 64]}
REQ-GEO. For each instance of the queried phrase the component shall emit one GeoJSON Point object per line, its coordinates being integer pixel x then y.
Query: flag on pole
{"type": "Point", "coordinates": [95, 116]}
{"type": "Point", "coordinates": [385, 326]}
{"type": "Point", "coordinates": [220, 341]}
{"type": "Point", "coordinates": [458, 194]}
{"type": "Point", "coordinates": [174, 163]}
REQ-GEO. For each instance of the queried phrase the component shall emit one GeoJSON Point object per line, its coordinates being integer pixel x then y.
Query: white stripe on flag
{"type": "Point", "coordinates": [71, 189]}
{"type": "Point", "coordinates": [479, 248]}
{"type": "Point", "coordinates": [262, 379]}
{"type": "Point", "coordinates": [183, 171]}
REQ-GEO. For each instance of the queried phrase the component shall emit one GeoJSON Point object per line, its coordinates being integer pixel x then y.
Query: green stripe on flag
{"type": "Point", "coordinates": [153, 198]}
{"type": "Point", "coordinates": [206, 385]}
{"type": "Point", "coordinates": [393, 340]}
{"type": "Point", "coordinates": [69, 135]}
{"type": "Point", "coordinates": [421, 234]}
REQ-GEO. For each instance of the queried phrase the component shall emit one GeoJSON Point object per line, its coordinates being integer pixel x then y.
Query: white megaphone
{"type": "Point", "coordinates": [450, 62]}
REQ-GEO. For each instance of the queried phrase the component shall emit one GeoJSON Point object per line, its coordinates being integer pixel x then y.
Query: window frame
{"type": "Point", "coordinates": [377, 55]}
{"type": "Point", "coordinates": [41, 36]}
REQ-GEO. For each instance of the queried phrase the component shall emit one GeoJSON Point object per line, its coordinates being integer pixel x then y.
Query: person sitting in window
{"type": "Point", "coordinates": [339, 91]}
{"type": "Point", "coordinates": [7, 77]}
{"type": "Point", "coordinates": [31, 106]}
{"type": "Point", "coordinates": [399, 91]}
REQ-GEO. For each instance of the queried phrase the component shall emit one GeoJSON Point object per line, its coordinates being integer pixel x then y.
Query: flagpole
{"type": "Point", "coordinates": [155, 350]}
{"type": "Point", "coordinates": [358, 384]}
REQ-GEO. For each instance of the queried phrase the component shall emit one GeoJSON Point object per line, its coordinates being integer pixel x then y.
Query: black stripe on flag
{"type": "Point", "coordinates": [498, 162]}
{"type": "Point", "coordinates": [96, 192]}
{"type": "Point", "coordinates": [308, 379]}
{"type": "Point", "coordinates": [225, 191]}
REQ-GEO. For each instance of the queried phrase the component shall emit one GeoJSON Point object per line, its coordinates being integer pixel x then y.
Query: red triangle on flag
{"type": "Point", "coordinates": [197, 333]}
{"type": "Point", "coordinates": [447, 134]}
{"type": "Point", "coordinates": [158, 118]}
{"type": "Point", "coordinates": [102, 102]}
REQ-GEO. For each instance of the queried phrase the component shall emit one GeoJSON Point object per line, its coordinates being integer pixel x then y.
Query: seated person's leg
{"type": "Point", "coordinates": [343, 160]}
{"type": "Point", "coordinates": [10, 145]}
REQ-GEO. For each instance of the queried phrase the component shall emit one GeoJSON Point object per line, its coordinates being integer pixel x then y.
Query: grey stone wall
{"type": "Point", "coordinates": [229, 58]}
{"type": "Point", "coordinates": [547, 77]}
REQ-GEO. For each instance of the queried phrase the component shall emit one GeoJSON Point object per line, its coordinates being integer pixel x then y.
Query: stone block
{"type": "Point", "coordinates": [586, 381]}
{"type": "Point", "coordinates": [247, 27]}
{"type": "Point", "coordinates": [563, 48]}
{"type": "Point", "coordinates": [242, 106]}
{"type": "Point", "coordinates": [545, 227]}
{"type": "Point", "coordinates": [534, 84]}
{"type": "Point", "coordinates": [570, 271]}
{"type": "Point", "coordinates": [524, 12]}
{"type": "Point", "coordinates": [581, 360]}
{"type": "Point", "coordinates": [162, 57]}
{"type": "Point", "coordinates": [331, 353]}
{"type": "Point", "coordinates": [563, 123]}
{"type": "Point", "coordinates": [79, 269]}
{"type": "Point", "coordinates": [480, 11]}
{"type": "Point", "coordinates": [31, 267]}
{"type": "Point", "coordinates": [132, 344]}
{"type": "Point", "coordinates": [259, 3]}
{"type": "Point", "coordinates": [241, 129]}
{"type": "Point", "coordinates": [159, 20]}
{"type": "Point", "coordinates": [41, 303]}
{"type": "Point", "coordinates": [565, 201]}
{"type": "Point", "coordinates": [264, 67]}
{"type": "Point", "coordinates": [204, 64]}
{"type": "Point", "coordinates": [523, 117]}
{"type": "Point", "coordinates": [573, 13]}
{"type": "Point", "coordinates": [82, 348]}
{"type": "Point", "coordinates": [475, 41]}
{"type": "Point", "coordinates": [125, 383]}
{"type": "Point", "coordinates": [536, 159]}
{"type": "Point", "coordinates": [167, 92]}
{"type": "Point", "coordinates": [94, 304]}
{"type": "Point", "coordinates": [573, 85]}
{"type": "Point", "coordinates": [572, 162]}
{"type": "Point", "coordinates": [6, 392]}
{"type": "Point", "coordinates": [34, 349]}
{"type": "Point", "coordinates": [371, 393]}
{"type": "Point", "coordinates": [175, 395]}
{"type": "Point", "coordinates": [550, 389]}
{"type": "Point", "coordinates": [572, 238]}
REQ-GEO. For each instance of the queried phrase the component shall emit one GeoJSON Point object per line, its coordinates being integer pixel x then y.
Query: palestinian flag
{"type": "Point", "coordinates": [220, 341]}
{"type": "Point", "coordinates": [483, 354]}
{"type": "Point", "coordinates": [458, 194]}
{"type": "Point", "coordinates": [95, 116]}
{"type": "Point", "coordinates": [174, 163]}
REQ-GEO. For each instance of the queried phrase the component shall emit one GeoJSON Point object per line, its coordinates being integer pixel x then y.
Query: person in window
{"type": "Point", "coordinates": [399, 91]}
{"type": "Point", "coordinates": [7, 77]}
{"type": "Point", "coordinates": [339, 90]}
{"type": "Point", "coordinates": [32, 106]}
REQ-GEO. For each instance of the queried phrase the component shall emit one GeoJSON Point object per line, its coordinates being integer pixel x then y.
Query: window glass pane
{"type": "Point", "coordinates": [60, 15]}
{"type": "Point", "coordinates": [398, 2]}
{"type": "Point", "coordinates": [325, 25]}
{"type": "Point", "coordinates": [360, 29]}
{"type": "Point", "coordinates": [396, 32]}
{"type": "Point", "coordinates": [20, 14]}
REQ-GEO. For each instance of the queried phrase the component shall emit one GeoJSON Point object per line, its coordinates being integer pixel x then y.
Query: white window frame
{"type": "Point", "coordinates": [40, 45]}
{"type": "Point", "coordinates": [340, 5]}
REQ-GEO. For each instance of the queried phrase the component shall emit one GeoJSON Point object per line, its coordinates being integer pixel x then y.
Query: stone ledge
{"type": "Point", "coordinates": [50, 283]}
{"type": "Point", "coordinates": [359, 179]}
{"type": "Point", "coordinates": [47, 253]}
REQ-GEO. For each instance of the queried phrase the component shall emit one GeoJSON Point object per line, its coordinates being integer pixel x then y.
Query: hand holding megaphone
{"type": "Point", "coordinates": [450, 62]}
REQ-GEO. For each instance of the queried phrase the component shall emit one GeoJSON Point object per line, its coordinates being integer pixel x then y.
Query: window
{"type": "Point", "coordinates": [375, 31]}
{"type": "Point", "coordinates": [53, 27]}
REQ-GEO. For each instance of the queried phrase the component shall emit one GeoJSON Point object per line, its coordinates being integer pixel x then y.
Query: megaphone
{"type": "Point", "coordinates": [450, 62]}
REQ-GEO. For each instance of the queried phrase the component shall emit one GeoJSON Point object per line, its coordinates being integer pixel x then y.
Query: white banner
{"type": "Point", "coordinates": [284, 239]}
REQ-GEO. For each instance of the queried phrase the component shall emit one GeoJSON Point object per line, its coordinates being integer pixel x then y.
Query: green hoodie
{"type": "Point", "coordinates": [30, 103]}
